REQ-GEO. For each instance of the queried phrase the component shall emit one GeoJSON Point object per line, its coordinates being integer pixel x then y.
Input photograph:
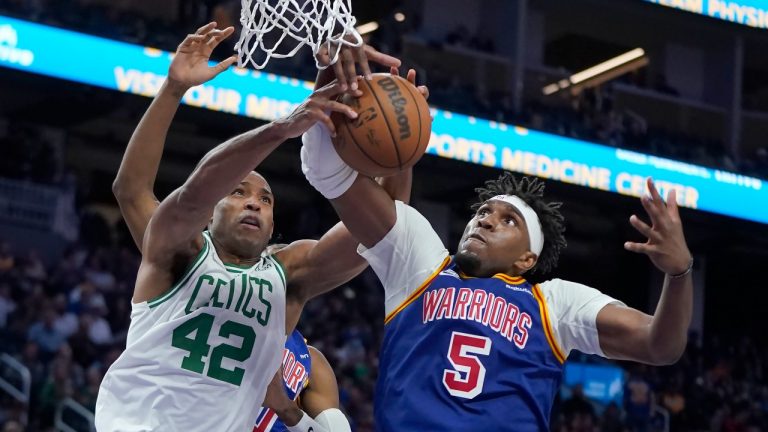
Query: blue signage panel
{"type": "Point", "coordinates": [141, 70]}
{"type": "Point", "coordinates": [602, 383]}
{"type": "Point", "coordinates": [752, 13]}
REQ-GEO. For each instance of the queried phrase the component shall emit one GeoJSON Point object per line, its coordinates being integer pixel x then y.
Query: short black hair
{"type": "Point", "coordinates": [531, 190]}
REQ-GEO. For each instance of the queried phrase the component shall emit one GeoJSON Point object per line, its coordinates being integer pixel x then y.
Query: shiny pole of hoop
{"type": "Point", "coordinates": [307, 22]}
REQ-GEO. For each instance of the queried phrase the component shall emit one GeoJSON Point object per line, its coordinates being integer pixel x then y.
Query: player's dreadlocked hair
{"type": "Point", "coordinates": [531, 190]}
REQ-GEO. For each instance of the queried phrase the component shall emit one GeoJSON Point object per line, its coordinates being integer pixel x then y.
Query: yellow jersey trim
{"type": "Point", "coordinates": [547, 324]}
{"type": "Point", "coordinates": [419, 291]}
{"type": "Point", "coordinates": [514, 280]}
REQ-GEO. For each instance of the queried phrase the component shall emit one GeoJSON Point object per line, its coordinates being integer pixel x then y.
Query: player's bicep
{"type": "Point", "coordinates": [173, 228]}
{"type": "Point", "coordinates": [315, 267]}
{"type": "Point", "coordinates": [367, 210]}
{"type": "Point", "coordinates": [624, 333]}
{"type": "Point", "coordinates": [407, 256]}
{"type": "Point", "coordinates": [573, 314]}
{"type": "Point", "coordinates": [323, 391]}
{"type": "Point", "coordinates": [137, 213]}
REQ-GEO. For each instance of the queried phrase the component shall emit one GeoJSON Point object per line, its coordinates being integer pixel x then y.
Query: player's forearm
{"type": "Point", "coordinates": [290, 415]}
{"type": "Point", "coordinates": [141, 160]}
{"type": "Point", "coordinates": [669, 328]}
{"type": "Point", "coordinates": [367, 211]}
{"type": "Point", "coordinates": [222, 169]}
{"type": "Point", "coordinates": [399, 186]}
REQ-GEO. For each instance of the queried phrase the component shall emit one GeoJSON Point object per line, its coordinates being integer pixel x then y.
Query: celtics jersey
{"type": "Point", "coordinates": [199, 357]}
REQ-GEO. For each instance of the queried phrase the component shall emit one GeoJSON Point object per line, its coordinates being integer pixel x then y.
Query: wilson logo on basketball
{"type": "Point", "coordinates": [398, 103]}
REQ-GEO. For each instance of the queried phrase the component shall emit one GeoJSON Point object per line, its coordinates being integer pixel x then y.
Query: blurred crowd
{"type": "Point", "coordinates": [67, 322]}
{"type": "Point", "coordinates": [590, 116]}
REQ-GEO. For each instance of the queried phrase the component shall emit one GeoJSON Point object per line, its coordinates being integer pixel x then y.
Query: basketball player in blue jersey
{"type": "Point", "coordinates": [306, 383]}
{"type": "Point", "coordinates": [133, 189]}
{"type": "Point", "coordinates": [469, 344]}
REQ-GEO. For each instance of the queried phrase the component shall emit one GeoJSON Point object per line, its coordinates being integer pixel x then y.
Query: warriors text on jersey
{"type": "Point", "coordinates": [463, 353]}
{"type": "Point", "coordinates": [297, 367]}
{"type": "Point", "coordinates": [199, 357]}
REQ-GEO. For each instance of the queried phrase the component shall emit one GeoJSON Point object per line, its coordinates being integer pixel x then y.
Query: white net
{"type": "Point", "coordinates": [279, 28]}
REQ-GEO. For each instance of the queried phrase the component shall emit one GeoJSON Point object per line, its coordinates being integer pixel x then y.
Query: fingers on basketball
{"type": "Point", "coordinates": [391, 131]}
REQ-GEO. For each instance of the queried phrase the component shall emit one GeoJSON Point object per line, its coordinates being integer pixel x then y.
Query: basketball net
{"type": "Point", "coordinates": [293, 24]}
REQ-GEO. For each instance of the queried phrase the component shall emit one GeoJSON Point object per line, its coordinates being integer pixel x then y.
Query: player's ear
{"type": "Point", "coordinates": [526, 261]}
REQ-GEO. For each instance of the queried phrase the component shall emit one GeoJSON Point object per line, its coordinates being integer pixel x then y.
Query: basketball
{"type": "Point", "coordinates": [391, 131]}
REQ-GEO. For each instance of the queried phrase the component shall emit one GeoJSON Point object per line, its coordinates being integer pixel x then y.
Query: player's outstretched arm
{"type": "Point", "coordinates": [315, 267]}
{"type": "Point", "coordinates": [175, 228]}
{"type": "Point", "coordinates": [134, 185]}
{"type": "Point", "coordinates": [658, 339]}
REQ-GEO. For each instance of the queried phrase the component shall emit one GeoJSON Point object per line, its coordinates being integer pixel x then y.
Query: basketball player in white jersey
{"type": "Point", "coordinates": [208, 313]}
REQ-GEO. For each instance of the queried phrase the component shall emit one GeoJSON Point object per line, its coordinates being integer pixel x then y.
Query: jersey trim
{"type": "Point", "coordinates": [516, 280]}
{"type": "Point", "coordinates": [280, 271]}
{"type": "Point", "coordinates": [419, 291]}
{"type": "Point", "coordinates": [266, 422]}
{"type": "Point", "coordinates": [201, 256]}
{"type": "Point", "coordinates": [546, 323]}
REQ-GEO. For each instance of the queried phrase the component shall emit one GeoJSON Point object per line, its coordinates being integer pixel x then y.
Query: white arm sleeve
{"type": "Point", "coordinates": [409, 254]}
{"type": "Point", "coordinates": [307, 424]}
{"type": "Point", "coordinates": [334, 420]}
{"type": "Point", "coordinates": [573, 312]}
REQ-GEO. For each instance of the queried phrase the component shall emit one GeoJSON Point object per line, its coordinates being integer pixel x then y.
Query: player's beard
{"type": "Point", "coordinates": [468, 262]}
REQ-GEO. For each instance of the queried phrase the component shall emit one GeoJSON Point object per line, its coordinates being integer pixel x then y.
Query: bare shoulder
{"type": "Point", "coordinates": [158, 272]}
{"type": "Point", "coordinates": [294, 256]}
{"type": "Point", "coordinates": [317, 355]}
{"type": "Point", "coordinates": [320, 364]}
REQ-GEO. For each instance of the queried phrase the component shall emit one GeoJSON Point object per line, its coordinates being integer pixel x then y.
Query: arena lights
{"type": "Point", "coordinates": [141, 71]}
{"type": "Point", "coordinates": [600, 73]}
{"type": "Point", "coordinates": [368, 27]}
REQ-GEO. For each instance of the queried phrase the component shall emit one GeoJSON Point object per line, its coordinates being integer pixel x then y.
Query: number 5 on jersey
{"type": "Point", "coordinates": [462, 353]}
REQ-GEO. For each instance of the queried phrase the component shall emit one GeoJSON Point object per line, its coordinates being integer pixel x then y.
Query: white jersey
{"type": "Point", "coordinates": [200, 357]}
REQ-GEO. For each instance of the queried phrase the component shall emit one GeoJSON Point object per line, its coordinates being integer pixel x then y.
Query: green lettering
{"type": "Point", "coordinates": [200, 280]}
{"type": "Point", "coordinates": [240, 300]}
{"type": "Point", "coordinates": [215, 296]}
{"type": "Point", "coordinates": [232, 291]}
{"type": "Point", "coordinates": [264, 319]}
{"type": "Point", "coordinates": [249, 313]}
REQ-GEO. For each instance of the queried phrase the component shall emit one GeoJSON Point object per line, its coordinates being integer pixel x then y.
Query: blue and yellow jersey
{"type": "Point", "coordinates": [471, 354]}
{"type": "Point", "coordinates": [297, 366]}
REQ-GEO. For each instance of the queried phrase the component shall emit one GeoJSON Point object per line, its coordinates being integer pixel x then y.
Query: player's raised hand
{"type": "Point", "coordinates": [411, 77]}
{"type": "Point", "coordinates": [349, 59]}
{"type": "Point", "coordinates": [316, 108]}
{"type": "Point", "coordinates": [190, 63]}
{"type": "Point", "coordinates": [666, 246]}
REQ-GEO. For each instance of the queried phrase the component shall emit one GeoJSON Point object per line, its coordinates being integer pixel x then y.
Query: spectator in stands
{"type": "Point", "coordinates": [12, 426]}
{"type": "Point", "coordinates": [578, 411]}
{"type": "Point", "coordinates": [7, 306]}
{"type": "Point", "coordinates": [639, 401]}
{"type": "Point", "coordinates": [673, 400]}
{"type": "Point", "coordinates": [86, 296]}
{"type": "Point", "coordinates": [7, 260]}
{"type": "Point", "coordinates": [611, 419]}
{"type": "Point", "coordinates": [44, 333]}
{"type": "Point", "coordinates": [66, 322]}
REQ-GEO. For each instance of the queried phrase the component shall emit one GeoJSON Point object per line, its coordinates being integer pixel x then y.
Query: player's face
{"type": "Point", "coordinates": [242, 221]}
{"type": "Point", "coordinates": [494, 241]}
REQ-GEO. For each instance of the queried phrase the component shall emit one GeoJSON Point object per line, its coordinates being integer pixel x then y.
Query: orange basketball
{"type": "Point", "coordinates": [391, 131]}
